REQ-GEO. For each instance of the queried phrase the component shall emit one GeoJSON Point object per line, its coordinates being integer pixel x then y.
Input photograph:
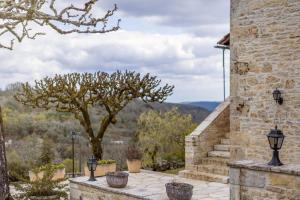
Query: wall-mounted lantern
{"type": "Point", "coordinates": [275, 138]}
{"type": "Point", "coordinates": [277, 96]}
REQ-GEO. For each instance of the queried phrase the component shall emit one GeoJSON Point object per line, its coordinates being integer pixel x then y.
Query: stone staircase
{"type": "Point", "coordinates": [213, 167]}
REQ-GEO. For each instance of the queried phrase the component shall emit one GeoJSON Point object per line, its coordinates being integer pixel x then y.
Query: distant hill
{"type": "Point", "coordinates": [23, 121]}
{"type": "Point", "coordinates": [208, 105]}
{"type": "Point", "coordinates": [198, 113]}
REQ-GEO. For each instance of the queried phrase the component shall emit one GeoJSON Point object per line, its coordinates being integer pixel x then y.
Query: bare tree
{"type": "Point", "coordinates": [19, 20]}
{"type": "Point", "coordinates": [4, 185]}
{"type": "Point", "coordinates": [77, 93]}
{"type": "Point", "coordinates": [19, 17]}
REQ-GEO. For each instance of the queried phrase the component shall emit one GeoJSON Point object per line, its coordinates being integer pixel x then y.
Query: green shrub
{"type": "Point", "coordinates": [161, 136]}
{"type": "Point", "coordinates": [44, 186]}
{"type": "Point", "coordinates": [52, 166]}
{"type": "Point", "coordinates": [47, 153]}
{"type": "Point", "coordinates": [17, 169]}
{"type": "Point", "coordinates": [105, 162]}
{"type": "Point", "coordinates": [68, 163]}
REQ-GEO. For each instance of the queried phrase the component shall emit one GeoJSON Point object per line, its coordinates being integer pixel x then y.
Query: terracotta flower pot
{"type": "Point", "coordinates": [179, 191]}
{"type": "Point", "coordinates": [53, 197]}
{"type": "Point", "coordinates": [134, 166]}
{"type": "Point", "coordinates": [117, 179]}
{"type": "Point", "coordinates": [59, 174]}
{"type": "Point", "coordinates": [101, 170]}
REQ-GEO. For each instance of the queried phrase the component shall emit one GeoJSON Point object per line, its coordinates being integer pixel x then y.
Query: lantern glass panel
{"type": "Point", "coordinates": [89, 164]}
{"type": "Point", "coordinates": [280, 141]}
{"type": "Point", "coordinates": [94, 165]}
{"type": "Point", "coordinates": [272, 142]}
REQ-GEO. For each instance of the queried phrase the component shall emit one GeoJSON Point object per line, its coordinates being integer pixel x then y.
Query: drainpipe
{"type": "Point", "coordinates": [223, 47]}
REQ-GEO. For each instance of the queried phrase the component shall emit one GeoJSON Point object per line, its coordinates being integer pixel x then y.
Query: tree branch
{"type": "Point", "coordinates": [17, 16]}
{"type": "Point", "coordinates": [75, 92]}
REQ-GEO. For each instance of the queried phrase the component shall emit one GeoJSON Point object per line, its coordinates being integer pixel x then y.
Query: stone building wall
{"type": "Point", "coordinates": [265, 55]}
{"type": "Point", "coordinates": [250, 180]}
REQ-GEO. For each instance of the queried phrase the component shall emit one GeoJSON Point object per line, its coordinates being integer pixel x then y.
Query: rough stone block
{"type": "Point", "coordinates": [281, 180]}
{"type": "Point", "coordinates": [234, 192]}
{"type": "Point", "coordinates": [234, 176]}
{"type": "Point", "coordinates": [251, 178]}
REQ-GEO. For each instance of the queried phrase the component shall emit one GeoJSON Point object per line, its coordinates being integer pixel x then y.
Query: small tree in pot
{"type": "Point", "coordinates": [134, 157]}
{"type": "Point", "coordinates": [43, 188]}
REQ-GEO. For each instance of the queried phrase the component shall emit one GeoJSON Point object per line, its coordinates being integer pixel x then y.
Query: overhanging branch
{"type": "Point", "coordinates": [16, 16]}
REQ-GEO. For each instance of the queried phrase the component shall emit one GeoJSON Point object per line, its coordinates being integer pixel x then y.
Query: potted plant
{"type": "Point", "coordinates": [179, 191]}
{"type": "Point", "coordinates": [117, 179]}
{"type": "Point", "coordinates": [44, 187]}
{"type": "Point", "coordinates": [103, 166]}
{"type": "Point", "coordinates": [59, 172]}
{"type": "Point", "coordinates": [133, 159]}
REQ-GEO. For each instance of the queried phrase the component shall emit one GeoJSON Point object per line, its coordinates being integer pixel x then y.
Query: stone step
{"type": "Point", "coordinates": [213, 169]}
{"type": "Point", "coordinates": [204, 176]}
{"type": "Point", "coordinates": [222, 147]}
{"type": "Point", "coordinates": [214, 161]}
{"type": "Point", "coordinates": [222, 154]}
{"type": "Point", "coordinates": [225, 141]}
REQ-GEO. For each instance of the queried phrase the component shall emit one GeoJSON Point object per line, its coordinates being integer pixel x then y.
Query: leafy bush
{"type": "Point", "coordinates": [44, 186]}
{"type": "Point", "coordinates": [17, 169]}
{"type": "Point", "coordinates": [52, 166]}
{"type": "Point", "coordinates": [29, 150]}
{"type": "Point", "coordinates": [161, 136]}
{"type": "Point", "coordinates": [68, 163]}
{"type": "Point", "coordinates": [133, 153]}
{"type": "Point", "coordinates": [105, 162]}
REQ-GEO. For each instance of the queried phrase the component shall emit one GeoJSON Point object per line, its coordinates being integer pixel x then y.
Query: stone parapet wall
{"type": "Point", "coordinates": [265, 55]}
{"type": "Point", "coordinates": [88, 192]}
{"type": "Point", "coordinates": [250, 180]}
{"type": "Point", "coordinates": [207, 134]}
{"type": "Point", "coordinates": [146, 185]}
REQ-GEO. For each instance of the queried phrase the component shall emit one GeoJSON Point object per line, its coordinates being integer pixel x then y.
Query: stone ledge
{"type": "Point", "coordinates": [210, 119]}
{"type": "Point", "coordinates": [290, 169]}
{"type": "Point", "coordinates": [87, 184]}
{"type": "Point", "coordinates": [146, 185]}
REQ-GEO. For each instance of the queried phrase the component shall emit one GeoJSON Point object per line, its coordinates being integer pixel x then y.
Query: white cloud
{"type": "Point", "coordinates": [199, 16]}
{"type": "Point", "coordinates": [186, 59]}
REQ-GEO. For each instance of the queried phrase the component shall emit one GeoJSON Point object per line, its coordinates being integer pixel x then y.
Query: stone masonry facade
{"type": "Point", "coordinates": [265, 55]}
{"type": "Point", "coordinates": [250, 180]}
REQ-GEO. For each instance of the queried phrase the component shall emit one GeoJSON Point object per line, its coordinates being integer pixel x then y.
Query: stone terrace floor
{"type": "Point", "coordinates": [151, 185]}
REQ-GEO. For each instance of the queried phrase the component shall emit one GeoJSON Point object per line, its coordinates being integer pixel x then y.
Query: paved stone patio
{"type": "Point", "coordinates": [151, 185]}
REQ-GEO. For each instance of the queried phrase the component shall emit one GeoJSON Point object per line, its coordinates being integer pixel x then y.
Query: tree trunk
{"type": "Point", "coordinates": [153, 158]}
{"type": "Point", "coordinates": [97, 148]}
{"type": "Point", "coordinates": [4, 185]}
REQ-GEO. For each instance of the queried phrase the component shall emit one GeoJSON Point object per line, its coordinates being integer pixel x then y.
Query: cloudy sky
{"type": "Point", "coordinates": [173, 39]}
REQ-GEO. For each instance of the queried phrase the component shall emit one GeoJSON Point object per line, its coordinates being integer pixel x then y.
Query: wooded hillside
{"type": "Point", "coordinates": [26, 128]}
